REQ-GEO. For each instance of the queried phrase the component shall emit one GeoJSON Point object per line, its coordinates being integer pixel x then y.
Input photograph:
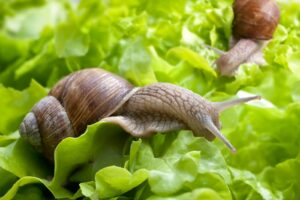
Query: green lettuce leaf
{"type": "Point", "coordinates": [192, 58]}
{"type": "Point", "coordinates": [102, 145]}
{"type": "Point", "coordinates": [182, 162]}
{"type": "Point", "coordinates": [284, 177]}
{"type": "Point", "coordinates": [113, 181]}
{"type": "Point", "coordinates": [145, 42]}
{"type": "Point", "coordinates": [135, 64]}
{"type": "Point", "coordinates": [7, 180]}
{"type": "Point", "coordinates": [16, 104]}
{"type": "Point", "coordinates": [71, 40]}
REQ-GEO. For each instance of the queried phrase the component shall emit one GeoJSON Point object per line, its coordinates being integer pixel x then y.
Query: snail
{"type": "Point", "coordinates": [90, 95]}
{"type": "Point", "coordinates": [254, 23]}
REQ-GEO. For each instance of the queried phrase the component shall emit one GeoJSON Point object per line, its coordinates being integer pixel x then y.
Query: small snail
{"type": "Point", "coordinates": [90, 95]}
{"type": "Point", "coordinates": [253, 26]}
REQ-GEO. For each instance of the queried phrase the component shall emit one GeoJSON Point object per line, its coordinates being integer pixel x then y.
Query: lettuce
{"type": "Point", "coordinates": [15, 105]}
{"type": "Point", "coordinates": [148, 41]}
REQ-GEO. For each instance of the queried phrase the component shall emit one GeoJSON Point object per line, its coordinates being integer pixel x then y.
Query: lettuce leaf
{"type": "Point", "coordinates": [185, 162]}
{"type": "Point", "coordinates": [16, 104]}
{"type": "Point", "coordinates": [145, 42]}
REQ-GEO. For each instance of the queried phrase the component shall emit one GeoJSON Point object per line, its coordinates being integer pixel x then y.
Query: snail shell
{"type": "Point", "coordinates": [90, 95]}
{"type": "Point", "coordinates": [79, 99]}
{"type": "Point", "coordinates": [46, 125]}
{"type": "Point", "coordinates": [255, 19]}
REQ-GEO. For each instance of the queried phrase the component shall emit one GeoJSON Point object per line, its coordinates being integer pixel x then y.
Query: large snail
{"type": "Point", "coordinates": [90, 95]}
{"type": "Point", "coordinates": [253, 26]}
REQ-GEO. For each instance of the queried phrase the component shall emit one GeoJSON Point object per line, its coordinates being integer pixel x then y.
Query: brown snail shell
{"type": "Point", "coordinates": [90, 95]}
{"type": "Point", "coordinates": [79, 99]}
{"type": "Point", "coordinates": [46, 125]}
{"type": "Point", "coordinates": [255, 19]}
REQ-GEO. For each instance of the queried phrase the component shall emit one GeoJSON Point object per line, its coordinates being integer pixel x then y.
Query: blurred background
{"type": "Point", "coordinates": [147, 41]}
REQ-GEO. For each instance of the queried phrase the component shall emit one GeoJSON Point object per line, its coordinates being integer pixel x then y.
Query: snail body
{"type": "Point", "coordinates": [91, 95]}
{"type": "Point", "coordinates": [253, 26]}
